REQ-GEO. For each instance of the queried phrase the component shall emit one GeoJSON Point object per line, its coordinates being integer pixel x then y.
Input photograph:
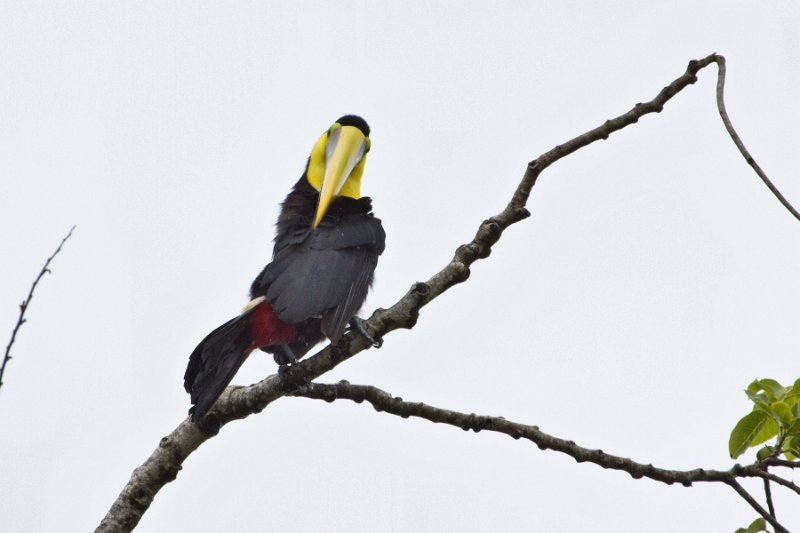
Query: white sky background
{"type": "Point", "coordinates": [656, 278]}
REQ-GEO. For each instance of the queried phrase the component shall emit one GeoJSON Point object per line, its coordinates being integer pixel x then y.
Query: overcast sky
{"type": "Point", "coordinates": [656, 278]}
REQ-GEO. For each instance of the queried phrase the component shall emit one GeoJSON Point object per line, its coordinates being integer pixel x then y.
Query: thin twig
{"type": "Point", "coordinates": [769, 476]}
{"type": "Point", "coordinates": [757, 506]}
{"type": "Point", "coordinates": [771, 461]}
{"type": "Point", "coordinates": [26, 302]}
{"type": "Point", "coordinates": [768, 495]}
{"type": "Point", "coordinates": [738, 141]}
{"type": "Point", "coordinates": [384, 402]}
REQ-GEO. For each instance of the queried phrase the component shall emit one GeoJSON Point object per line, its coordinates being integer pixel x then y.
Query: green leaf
{"type": "Point", "coordinates": [782, 414]}
{"type": "Point", "coordinates": [792, 445]}
{"type": "Point", "coordinates": [771, 388]}
{"type": "Point", "coordinates": [791, 448]}
{"type": "Point", "coordinates": [792, 401]}
{"type": "Point", "coordinates": [758, 398]}
{"type": "Point", "coordinates": [769, 431]}
{"type": "Point", "coordinates": [794, 429]}
{"type": "Point", "coordinates": [796, 386]}
{"type": "Point", "coordinates": [753, 429]}
{"type": "Point", "coordinates": [759, 524]}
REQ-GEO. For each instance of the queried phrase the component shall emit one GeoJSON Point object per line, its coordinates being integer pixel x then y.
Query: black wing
{"type": "Point", "coordinates": [324, 272]}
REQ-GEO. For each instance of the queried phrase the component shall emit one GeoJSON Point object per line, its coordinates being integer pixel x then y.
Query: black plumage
{"type": "Point", "coordinates": [319, 278]}
{"type": "Point", "coordinates": [319, 275]}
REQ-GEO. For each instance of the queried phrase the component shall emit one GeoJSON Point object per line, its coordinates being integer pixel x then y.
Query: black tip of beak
{"type": "Point", "coordinates": [355, 121]}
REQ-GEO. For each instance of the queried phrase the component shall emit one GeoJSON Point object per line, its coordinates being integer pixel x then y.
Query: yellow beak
{"type": "Point", "coordinates": [344, 149]}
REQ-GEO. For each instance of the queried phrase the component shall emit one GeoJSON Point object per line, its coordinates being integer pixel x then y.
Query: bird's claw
{"type": "Point", "coordinates": [287, 356]}
{"type": "Point", "coordinates": [289, 383]}
{"type": "Point", "coordinates": [358, 324]}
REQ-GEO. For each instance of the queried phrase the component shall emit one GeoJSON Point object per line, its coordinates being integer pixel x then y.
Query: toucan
{"type": "Point", "coordinates": [325, 251]}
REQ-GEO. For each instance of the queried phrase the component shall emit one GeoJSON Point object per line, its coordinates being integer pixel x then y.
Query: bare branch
{"type": "Point", "coordinates": [26, 302]}
{"type": "Point", "coordinates": [755, 505]}
{"type": "Point", "coordinates": [772, 461]}
{"type": "Point", "coordinates": [768, 495]}
{"type": "Point", "coordinates": [239, 402]}
{"type": "Point", "coordinates": [738, 142]}
{"type": "Point", "coordinates": [384, 402]}
{"type": "Point", "coordinates": [769, 476]}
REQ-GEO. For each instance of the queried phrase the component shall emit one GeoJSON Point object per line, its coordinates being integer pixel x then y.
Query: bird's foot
{"type": "Point", "coordinates": [283, 372]}
{"type": "Point", "coordinates": [285, 356]}
{"type": "Point", "coordinates": [286, 361]}
{"type": "Point", "coordinates": [358, 324]}
{"type": "Point", "coordinates": [289, 382]}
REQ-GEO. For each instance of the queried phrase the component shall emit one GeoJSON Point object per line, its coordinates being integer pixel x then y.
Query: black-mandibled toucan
{"type": "Point", "coordinates": [326, 248]}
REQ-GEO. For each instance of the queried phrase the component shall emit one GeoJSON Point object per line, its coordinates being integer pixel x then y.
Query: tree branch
{"type": "Point", "coordinates": [757, 506]}
{"type": "Point", "coordinates": [383, 402]}
{"type": "Point", "coordinates": [26, 302]}
{"type": "Point", "coordinates": [239, 402]}
{"type": "Point", "coordinates": [769, 476]}
{"type": "Point", "coordinates": [738, 141]}
{"type": "Point", "coordinates": [768, 496]}
{"type": "Point", "coordinates": [773, 461]}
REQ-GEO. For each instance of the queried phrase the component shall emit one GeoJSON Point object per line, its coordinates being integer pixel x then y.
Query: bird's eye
{"type": "Point", "coordinates": [369, 144]}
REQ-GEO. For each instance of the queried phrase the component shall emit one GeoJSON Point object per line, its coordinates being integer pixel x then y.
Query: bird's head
{"type": "Point", "coordinates": [337, 162]}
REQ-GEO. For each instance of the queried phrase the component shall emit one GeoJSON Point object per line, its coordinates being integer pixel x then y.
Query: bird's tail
{"type": "Point", "coordinates": [216, 359]}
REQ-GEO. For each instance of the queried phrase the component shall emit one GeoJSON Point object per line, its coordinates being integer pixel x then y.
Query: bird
{"type": "Point", "coordinates": [326, 247]}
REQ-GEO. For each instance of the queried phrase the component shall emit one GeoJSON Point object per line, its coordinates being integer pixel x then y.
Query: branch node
{"type": "Point", "coordinates": [468, 422]}
{"type": "Point", "coordinates": [606, 130]}
{"type": "Point", "coordinates": [521, 213]}
{"type": "Point", "coordinates": [461, 271]}
{"type": "Point", "coordinates": [421, 289]}
{"type": "Point", "coordinates": [464, 253]}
